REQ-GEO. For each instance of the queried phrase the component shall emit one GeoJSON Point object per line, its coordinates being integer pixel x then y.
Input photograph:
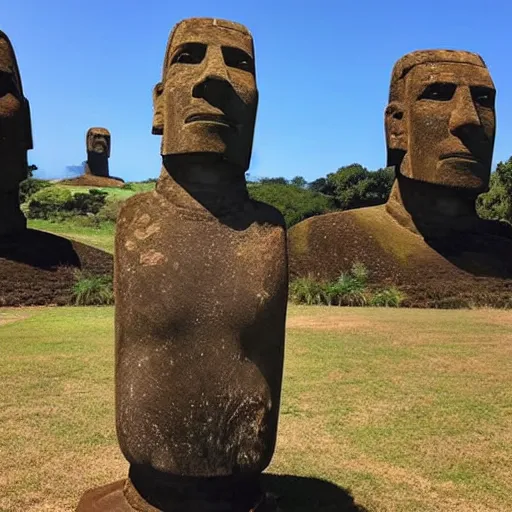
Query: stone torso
{"type": "Point", "coordinates": [200, 331]}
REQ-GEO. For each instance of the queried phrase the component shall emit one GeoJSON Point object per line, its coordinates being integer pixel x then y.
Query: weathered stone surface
{"type": "Point", "coordinates": [96, 168]}
{"type": "Point", "coordinates": [440, 128]}
{"type": "Point", "coordinates": [15, 140]}
{"type": "Point", "coordinates": [201, 290]}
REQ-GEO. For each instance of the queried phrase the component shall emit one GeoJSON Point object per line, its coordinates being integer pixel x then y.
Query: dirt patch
{"type": "Point", "coordinates": [329, 323]}
{"type": "Point", "coordinates": [38, 268]}
{"type": "Point", "coordinates": [10, 318]}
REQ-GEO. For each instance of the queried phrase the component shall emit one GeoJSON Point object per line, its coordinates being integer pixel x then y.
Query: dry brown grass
{"type": "Point", "coordinates": [406, 410]}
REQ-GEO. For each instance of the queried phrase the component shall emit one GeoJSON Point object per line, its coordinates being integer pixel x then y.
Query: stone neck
{"type": "Point", "coordinates": [12, 220]}
{"type": "Point", "coordinates": [200, 190]}
{"type": "Point", "coordinates": [431, 210]}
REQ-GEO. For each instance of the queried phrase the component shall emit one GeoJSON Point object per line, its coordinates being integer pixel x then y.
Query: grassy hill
{"type": "Point", "coordinates": [99, 234]}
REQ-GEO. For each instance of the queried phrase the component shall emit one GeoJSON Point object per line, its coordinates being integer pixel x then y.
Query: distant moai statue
{"type": "Point", "coordinates": [96, 173]}
{"type": "Point", "coordinates": [15, 140]}
{"type": "Point", "coordinates": [98, 152]}
{"type": "Point", "coordinates": [440, 128]}
{"type": "Point", "coordinates": [201, 294]}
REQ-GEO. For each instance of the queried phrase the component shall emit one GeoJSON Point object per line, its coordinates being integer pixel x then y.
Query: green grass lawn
{"type": "Point", "coordinates": [101, 237]}
{"type": "Point", "coordinates": [404, 410]}
{"type": "Point", "coordinates": [114, 192]}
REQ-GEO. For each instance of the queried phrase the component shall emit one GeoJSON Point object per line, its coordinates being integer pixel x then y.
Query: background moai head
{"type": "Point", "coordinates": [15, 125]}
{"type": "Point", "coordinates": [98, 141]}
{"type": "Point", "coordinates": [207, 100]}
{"type": "Point", "coordinates": [440, 120]}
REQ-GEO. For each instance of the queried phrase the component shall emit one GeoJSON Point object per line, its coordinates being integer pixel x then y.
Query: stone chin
{"type": "Point", "coordinates": [463, 174]}
{"type": "Point", "coordinates": [212, 138]}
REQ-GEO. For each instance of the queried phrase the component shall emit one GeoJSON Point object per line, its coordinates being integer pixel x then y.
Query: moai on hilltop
{"type": "Point", "coordinates": [15, 140]}
{"type": "Point", "coordinates": [98, 152]}
{"type": "Point", "coordinates": [201, 293]}
{"type": "Point", "coordinates": [96, 172]}
{"type": "Point", "coordinates": [440, 128]}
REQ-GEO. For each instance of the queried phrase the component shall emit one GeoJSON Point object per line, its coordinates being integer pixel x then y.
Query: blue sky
{"type": "Point", "coordinates": [323, 70]}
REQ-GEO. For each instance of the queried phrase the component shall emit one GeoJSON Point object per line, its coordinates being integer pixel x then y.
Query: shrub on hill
{"type": "Point", "coordinates": [90, 202]}
{"type": "Point", "coordinates": [30, 186]}
{"type": "Point", "coordinates": [50, 203]}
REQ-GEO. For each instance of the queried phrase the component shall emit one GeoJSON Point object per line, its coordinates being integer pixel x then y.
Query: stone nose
{"type": "Point", "coordinates": [214, 81]}
{"type": "Point", "coordinates": [464, 116]}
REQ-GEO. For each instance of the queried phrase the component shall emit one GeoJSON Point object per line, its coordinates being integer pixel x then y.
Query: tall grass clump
{"type": "Point", "coordinates": [390, 297]}
{"type": "Point", "coordinates": [306, 290]}
{"type": "Point", "coordinates": [350, 289]}
{"type": "Point", "coordinates": [93, 290]}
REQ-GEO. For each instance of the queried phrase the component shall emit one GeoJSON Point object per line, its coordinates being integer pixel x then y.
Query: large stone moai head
{"type": "Point", "coordinates": [440, 120]}
{"type": "Point", "coordinates": [15, 126]}
{"type": "Point", "coordinates": [15, 139]}
{"type": "Point", "coordinates": [206, 103]}
{"type": "Point", "coordinates": [98, 151]}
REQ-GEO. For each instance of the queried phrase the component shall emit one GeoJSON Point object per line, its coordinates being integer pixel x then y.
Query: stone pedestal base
{"type": "Point", "coordinates": [122, 496]}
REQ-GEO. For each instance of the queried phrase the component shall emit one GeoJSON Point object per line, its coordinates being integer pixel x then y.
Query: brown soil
{"type": "Point", "coordinates": [38, 268]}
{"type": "Point", "coordinates": [89, 180]}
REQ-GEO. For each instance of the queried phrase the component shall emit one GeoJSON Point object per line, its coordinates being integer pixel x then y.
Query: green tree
{"type": "Point", "coordinates": [496, 204]}
{"type": "Point", "coordinates": [355, 186]}
{"type": "Point", "coordinates": [298, 181]}
{"type": "Point", "coordinates": [273, 181]}
{"type": "Point", "coordinates": [294, 203]}
{"type": "Point", "coordinates": [30, 170]}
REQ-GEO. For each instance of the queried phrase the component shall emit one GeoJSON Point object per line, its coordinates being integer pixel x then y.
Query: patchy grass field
{"type": "Point", "coordinates": [100, 237]}
{"type": "Point", "coordinates": [404, 410]}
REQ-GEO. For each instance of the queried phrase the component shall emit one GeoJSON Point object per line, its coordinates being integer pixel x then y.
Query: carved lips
{"type": "Point", "coordinates": [212, 118]}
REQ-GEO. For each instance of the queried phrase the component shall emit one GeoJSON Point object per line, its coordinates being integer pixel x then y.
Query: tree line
{"type": "Point", "coordinates": [354, 186]}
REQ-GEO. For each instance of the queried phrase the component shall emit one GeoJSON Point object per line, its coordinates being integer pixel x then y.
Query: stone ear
{"type": "Point", "coordinates": [158, 117]}
{"type": "Point", "coordinates": [396, 129]}
{"type": "Point", "coordinates": [27, 126]}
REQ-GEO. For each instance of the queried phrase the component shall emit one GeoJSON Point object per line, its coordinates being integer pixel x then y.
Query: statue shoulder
{"type": "Point", "coordinates": [136, 206]}
{"type": "Point", "coordinates": [268, 214]}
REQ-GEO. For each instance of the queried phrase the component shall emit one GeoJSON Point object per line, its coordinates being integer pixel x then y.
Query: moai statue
{"type": "Point", "coordinates": [440, 129]}
{"type": "Point", "coordinates": [15, 140]}
{"type": "Point", "coordinates": [201, 293]}
{"type": "Point", "coordinates": [96, 168]}
{"type": "Point", "coordinates": [98, 152]}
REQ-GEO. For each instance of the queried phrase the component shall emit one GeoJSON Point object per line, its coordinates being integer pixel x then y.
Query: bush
{"type": "Point", "coordinates": [109, 211]}
{"type": "Point", "coordinates": [30, 186]}
{"type": "Point", "coordinates": [90, 202]}
{"type": "Point", "coordinates": [93, 290]}
{"type": "Point", "coordinates": [389, 297]}
{"type": "Point", "coordinates": [49, 203]}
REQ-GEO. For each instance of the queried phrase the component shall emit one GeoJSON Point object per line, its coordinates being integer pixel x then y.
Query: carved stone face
{"type": "Point", "coordinates": [445, 124]}
{"type": "Point", "coordinates": [15, 128]}
{"type": "Point", "coordinates": [208, 98]}
{"type": "Point", "coordinates": [98, 141]}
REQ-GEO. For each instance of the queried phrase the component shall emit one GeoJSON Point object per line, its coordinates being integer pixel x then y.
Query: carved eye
{"type": "Point", "coordinates": [7, 85]}
{"type": "Point", "coordinates": [438, 92]}
{"type": "Point", "coordinates": [190, 53]}
{"type": "Point", "coordinates": [237, 58]}
{"type": "Point", "coordinates": [483, 96]}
